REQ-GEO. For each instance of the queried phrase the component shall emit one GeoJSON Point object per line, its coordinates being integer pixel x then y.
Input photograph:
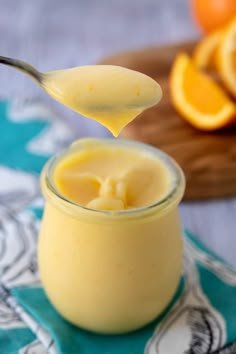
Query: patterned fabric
{"type": "Point", "coordinates": [200, 319]}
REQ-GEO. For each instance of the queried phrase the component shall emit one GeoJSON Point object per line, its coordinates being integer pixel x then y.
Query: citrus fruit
{"type": "Point", "coordinates": [212, 14]}
{"type": "Point", "coordinates": [197, 97]}
{"type": "Point", "coordinates": [204, 52]}
{"type": "Point", "coordinates": [226, 57]}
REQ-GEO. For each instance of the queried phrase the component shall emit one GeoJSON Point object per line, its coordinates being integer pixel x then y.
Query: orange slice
{"type": "Point", "coordinates": [204, 52]}
{"type": "Point", "coordinates": [197, 97]}
{"type": "Point", "coordinates": [226, 57]}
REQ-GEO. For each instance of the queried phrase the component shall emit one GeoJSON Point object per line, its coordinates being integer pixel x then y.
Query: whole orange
{"type": "Point", "coordinates": [211, 14]}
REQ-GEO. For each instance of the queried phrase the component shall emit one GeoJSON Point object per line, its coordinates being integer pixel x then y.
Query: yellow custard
{"type": "Point", "coordinates": [111, 95]}
{"type": "Point", "coordinates": [111, 265]}
{"type": "Point", "coordinates": [112, 178]}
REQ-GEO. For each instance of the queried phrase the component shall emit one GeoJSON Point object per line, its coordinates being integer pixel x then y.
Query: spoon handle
{"type": "Point", "coordinates": [22, 66]}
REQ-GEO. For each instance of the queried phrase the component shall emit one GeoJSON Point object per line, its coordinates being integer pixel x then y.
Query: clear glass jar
{"type": "Point", "coordinates": [110, 272]}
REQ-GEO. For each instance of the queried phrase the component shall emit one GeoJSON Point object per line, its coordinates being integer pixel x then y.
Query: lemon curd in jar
{"type": "Point", "coordinates": [110, 247]}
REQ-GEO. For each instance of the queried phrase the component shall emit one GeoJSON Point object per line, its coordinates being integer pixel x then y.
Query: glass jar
{"type": "Point", "coordinates": [110, 271]}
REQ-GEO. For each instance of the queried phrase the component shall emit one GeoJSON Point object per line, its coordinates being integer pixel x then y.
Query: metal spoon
{"type": "Point", "coordinates": [110, 94]}
{"type": "Point", "coordinates": [24, 67]}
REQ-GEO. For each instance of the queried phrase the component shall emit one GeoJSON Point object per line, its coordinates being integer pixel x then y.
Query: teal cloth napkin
{"type": "Point", "coordinates": [201, 317]}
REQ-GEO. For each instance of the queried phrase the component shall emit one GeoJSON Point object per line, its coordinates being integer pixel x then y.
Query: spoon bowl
{"type": "Point", "coordinates": [111, 95]}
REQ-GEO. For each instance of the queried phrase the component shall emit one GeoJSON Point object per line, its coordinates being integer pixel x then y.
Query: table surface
{"type": "Point", "coordinates": [58, 34]}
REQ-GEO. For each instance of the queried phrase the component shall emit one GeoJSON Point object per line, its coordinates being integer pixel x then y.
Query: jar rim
{"type": "Point", "coordinates": [172, 197]}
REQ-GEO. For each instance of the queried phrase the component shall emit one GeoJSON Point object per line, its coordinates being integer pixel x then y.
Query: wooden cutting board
{"type": "Point", "coordinates": [208, 159]}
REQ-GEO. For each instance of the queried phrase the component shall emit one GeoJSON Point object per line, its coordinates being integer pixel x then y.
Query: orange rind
{"type": "Point", "coordinates": [198, 98]}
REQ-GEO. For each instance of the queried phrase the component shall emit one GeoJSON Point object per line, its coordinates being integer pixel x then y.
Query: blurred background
{"type": "Point", "coordinates": [59, 34]}
{"type": "Point", "coordinates": [54, 34]}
